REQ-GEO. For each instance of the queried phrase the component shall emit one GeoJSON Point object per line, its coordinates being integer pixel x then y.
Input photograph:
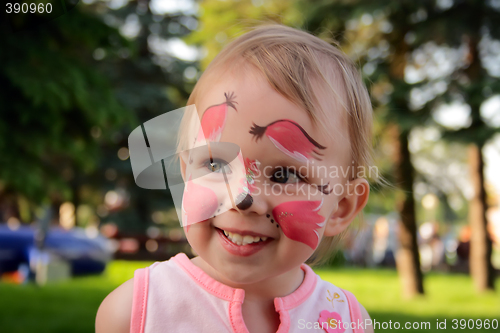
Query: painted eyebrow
{"type": "Point", "coordinates": [230, 101]}
{"type": "Point", "coordinates": [296, 151]}
{"type": "Point", "coordinates": [220, 113]}
{"type": "Point", "coordinates": [258, 131]}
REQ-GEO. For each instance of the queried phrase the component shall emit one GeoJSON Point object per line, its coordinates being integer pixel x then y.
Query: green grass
{"type": "Point", "coordinates": [447, 297]}
{"type": "Point", "coordinates": [63, 307]}
{"type": "Point", "coordinates": [71, 306]}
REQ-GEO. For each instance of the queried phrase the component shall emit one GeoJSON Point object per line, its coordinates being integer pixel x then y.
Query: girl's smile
{"type": "Point", "coordinates": [242, 243]}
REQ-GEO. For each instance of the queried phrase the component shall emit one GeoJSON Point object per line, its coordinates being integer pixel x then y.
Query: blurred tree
{"type": "Point", "coordinates": [153, 76]}
{"type": "Point", "coordinates": [441, 167]}
{"type": "Point", "coordinates": [77, 86]}
{"type": "Point", "coordinates": [403, 47]}
{"type": "Point", "coordinates": [374, 33]}
{"type": "Point", "coordinates": [52, 98]}
{"type": "Point", "coordinates": [470, 30]}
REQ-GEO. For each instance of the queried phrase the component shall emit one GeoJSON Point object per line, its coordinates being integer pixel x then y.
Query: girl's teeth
{"type": "Point", "coordinates": [237, 239]}
{"type": "Point", "coordinates": [247, 239]}
{"type": "Point", "coordinates": [243, 240]}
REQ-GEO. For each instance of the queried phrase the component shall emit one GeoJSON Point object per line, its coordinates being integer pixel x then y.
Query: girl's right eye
{"type": "Point", "coordinates": [217, 166]}
{"type": "Point", "coordinates": [285, 176]}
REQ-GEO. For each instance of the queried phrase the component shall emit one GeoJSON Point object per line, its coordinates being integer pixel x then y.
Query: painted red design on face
{"type": "Point", "coordinates": [214, 118]}
{"type": "Point", "coordinates": [290, 138]}
{"type": "Point", "coordinates": [251, 171]}
{"type": "Point", "coordinates": [252, 165]}
{"type": "Point", "coordinates": [198, 203]}
{"type": "Point", "coordinates": [300, 220]}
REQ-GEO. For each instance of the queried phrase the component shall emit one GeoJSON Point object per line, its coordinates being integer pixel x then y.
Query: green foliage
{"type": "Point", "coordinates": [222, 21]}
{"type": "Point", "coordinates": [74, 89]}
{"type": "Point", "coordinates": [384, 38]}
{"type": "Point", "coordinates": [150, 81]}
{"type": "Point", "coordinates": [52, 97]}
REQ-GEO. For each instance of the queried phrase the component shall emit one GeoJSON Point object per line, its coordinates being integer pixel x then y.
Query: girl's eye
{"type": "Point", "coordinates": [217, 166]}
{"type": "Point", "coordinates": [284, 175]}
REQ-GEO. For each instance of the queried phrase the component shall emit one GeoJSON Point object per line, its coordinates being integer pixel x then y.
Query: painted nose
{"type": "Point", "coordinates": [244, 200]}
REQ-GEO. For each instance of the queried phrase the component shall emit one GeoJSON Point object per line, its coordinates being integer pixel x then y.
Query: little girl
{"type": "Point", "coordinates": [293, 117]}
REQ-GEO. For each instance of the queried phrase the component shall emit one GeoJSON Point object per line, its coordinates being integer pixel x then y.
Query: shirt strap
{"type": "Point", "coordinates": [355, 312]}
{"type": "Point", "coordinates": [140, 300]}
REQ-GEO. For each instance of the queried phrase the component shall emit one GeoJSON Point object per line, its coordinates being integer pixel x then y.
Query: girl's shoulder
{"type": "Point", "coordinates": [330, 301]}
{"type": "Point", "coordinates": [114, 313]}
{"type": "Point", "coordinates": [334, 294]}
{"type": "Point", "coordinates": [125, 306]}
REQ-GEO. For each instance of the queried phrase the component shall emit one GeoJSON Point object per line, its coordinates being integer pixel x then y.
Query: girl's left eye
{"type": "Point", "coordinates": [285, 175]}
{"type": "Point", "coordinates": [217, 166]}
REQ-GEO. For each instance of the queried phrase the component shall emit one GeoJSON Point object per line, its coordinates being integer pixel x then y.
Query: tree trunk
{"type": "Point", "coordinates": [407, 257]}
{"type": "Point", "coordinates": [480, 265]}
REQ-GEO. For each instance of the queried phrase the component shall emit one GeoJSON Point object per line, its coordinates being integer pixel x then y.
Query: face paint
{"type": "Point", "coordinates": [251, 171]}
{"type": "Point", "coordinates": [290, 138]}
{"type": "Point", "coordinates": [252, 166]}
{"type": "Point", "coordinates": [299, 220]}
{"type": "Point", "coordinates": [214, 118]}
{"type": "Point", "coordinates": [244, 200]}
{"type": "Point", "coordinates": [198, 203]}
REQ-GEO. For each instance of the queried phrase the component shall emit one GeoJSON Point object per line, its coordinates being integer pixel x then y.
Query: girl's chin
{"type": "Point", "coordinates": [229, 271]}
{"type": "Point", "coordinates": [236, 273]}
{"type": "Point", "coordinates": [236, 279]}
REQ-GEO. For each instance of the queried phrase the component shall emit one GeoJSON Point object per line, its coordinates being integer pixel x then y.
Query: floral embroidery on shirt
{"type": "Point", "coordinates": [335, 297]}
{"type": "Point", "coordinates": [331, 322]}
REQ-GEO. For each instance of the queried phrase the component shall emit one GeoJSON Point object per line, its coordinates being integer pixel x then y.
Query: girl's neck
{"type": "Point", "coordinates": [262, 291]}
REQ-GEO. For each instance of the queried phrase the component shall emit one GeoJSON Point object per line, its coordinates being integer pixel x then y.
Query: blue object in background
{"type": "Point", "coordinates": [85, 255]}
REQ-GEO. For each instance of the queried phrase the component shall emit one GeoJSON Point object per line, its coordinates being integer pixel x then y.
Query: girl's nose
{"type": "Point", "coordinates": [245, 201]}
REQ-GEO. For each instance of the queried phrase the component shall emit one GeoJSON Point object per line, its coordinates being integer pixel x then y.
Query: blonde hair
{"type": "Point", "coordinates": [296, 63]}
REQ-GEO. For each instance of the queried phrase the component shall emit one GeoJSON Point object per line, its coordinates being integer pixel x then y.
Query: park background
{"type": "Point", "coordinates": [75, 86]}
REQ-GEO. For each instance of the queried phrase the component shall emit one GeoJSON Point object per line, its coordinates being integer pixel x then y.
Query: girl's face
{"type": "Point", "coordinates": [295, 179]}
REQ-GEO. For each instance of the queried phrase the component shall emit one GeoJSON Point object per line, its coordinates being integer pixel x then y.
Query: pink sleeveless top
{"type": "Point", "coordinates": [177, 296]}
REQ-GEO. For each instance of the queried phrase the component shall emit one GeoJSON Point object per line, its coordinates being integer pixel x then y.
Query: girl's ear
{"type": "Point", "coordinates": [349, 206]}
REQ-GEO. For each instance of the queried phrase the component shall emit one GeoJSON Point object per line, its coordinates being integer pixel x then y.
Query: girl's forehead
{"type": "Point", "coordinates": [253, 106]}
{"type": "Point", "coordinates": [254, 100]}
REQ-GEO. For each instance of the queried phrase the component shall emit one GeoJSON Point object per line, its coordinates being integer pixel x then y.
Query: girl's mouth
{"type": "Point", "coordinates": [243, 245]}
{"type": "Point", "coordinates": [242, 239]}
